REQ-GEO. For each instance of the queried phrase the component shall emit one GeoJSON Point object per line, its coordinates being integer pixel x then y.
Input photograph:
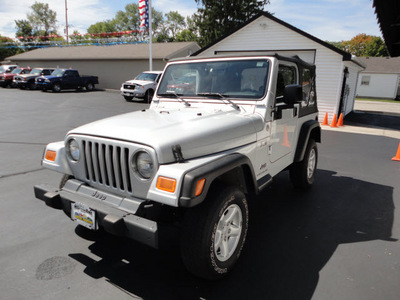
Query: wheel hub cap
{"type": "Point", "coordinates": [228, 232]}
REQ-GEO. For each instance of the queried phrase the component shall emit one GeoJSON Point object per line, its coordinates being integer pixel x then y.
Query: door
{"type": "Point", "coordinates": [285, 116]}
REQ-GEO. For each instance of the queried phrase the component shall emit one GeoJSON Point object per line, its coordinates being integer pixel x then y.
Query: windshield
{"type": "Point", "coordinates": [16, 71]}
{"type": "Point", "coordinates": [58, 73]}
{"type": "Point", "coordinates": [147, 77]}
{"type": "Point", "coordinates": [36, 71]}
{"type": "Point", "coordinates": [245, 78]}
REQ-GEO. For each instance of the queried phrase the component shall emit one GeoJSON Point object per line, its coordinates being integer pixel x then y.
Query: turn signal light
{"type": "Point", "coordinates": [166, 184]}
{"type": "Point", "coordinates": [50, 155]}
{"type": "Point", "coordinates": [200, 186]}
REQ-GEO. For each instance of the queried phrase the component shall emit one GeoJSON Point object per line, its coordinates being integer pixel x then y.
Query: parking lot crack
{"type": "Point", "coordinates": [23, 143]}
{"type": "Point", "coordinates": [21, 173]}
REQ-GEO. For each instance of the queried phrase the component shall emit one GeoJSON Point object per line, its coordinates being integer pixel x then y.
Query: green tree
{"type": "Point", "coordinates": [102, 27]}
{"type": "Point", "coordinates": [24, 28]}
{"type": "Point", "coordinates": [128, 19]}
{"type": "Point", "coordinates": [8, 48]}
{"type": "Point", "coordinates": [175, 22]}
{"type": "Point", "coordinates": [217, 18]}
{"type": "Point", "coordinates": [42, 19]}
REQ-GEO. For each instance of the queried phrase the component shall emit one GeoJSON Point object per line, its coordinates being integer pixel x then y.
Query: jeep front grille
{"type": "Point", "coordinates": [107, 165]}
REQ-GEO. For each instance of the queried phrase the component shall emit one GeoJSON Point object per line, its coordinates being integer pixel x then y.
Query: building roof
{"type": "Point", "coordinates": [121, 52]}
{"type": "Point", "coordinates": [345, 55]}
{"type": "Point", "coordinates": [388, 15]}
{"type": "Point", "coordinates": [383, 65]}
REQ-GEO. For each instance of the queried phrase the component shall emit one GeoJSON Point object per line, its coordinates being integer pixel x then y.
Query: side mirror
{"type": "Point", "coordinates": [293, 93]}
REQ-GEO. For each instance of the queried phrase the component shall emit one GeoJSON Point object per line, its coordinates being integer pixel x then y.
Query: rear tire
{"type": "Point", "coordinates": [302, 174]}
{"type": "Point", "coordinates": [214, 233]}
{"type": "Point", "coordinates": [89, 87]}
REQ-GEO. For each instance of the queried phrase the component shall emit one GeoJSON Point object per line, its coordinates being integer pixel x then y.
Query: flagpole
{"type": "Point", "coordinates": [150, 41]}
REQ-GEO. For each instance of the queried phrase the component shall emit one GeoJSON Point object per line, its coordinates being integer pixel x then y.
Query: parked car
{"type": "Point", "coordinates": [28, 80]}
{"type": "Point", "coordinates": [6, 79]}
{"type": "Point", "coordinates": [142, 87]}
{"type": "Point", "coordinates": [63, 79]}
{"type": "Point", "coordinates": [7, 68]}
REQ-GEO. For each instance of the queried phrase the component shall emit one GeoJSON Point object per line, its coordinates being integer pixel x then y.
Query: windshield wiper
{"type": "Point", "coordinates": [220, 96]}
{"type": "Point", "coordinates": [175, 95]}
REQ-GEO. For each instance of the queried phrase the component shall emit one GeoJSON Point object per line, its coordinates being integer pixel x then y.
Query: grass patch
{"type": "Point", "coordinates": [378, 100]}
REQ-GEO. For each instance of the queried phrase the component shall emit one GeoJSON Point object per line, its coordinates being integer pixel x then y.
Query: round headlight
{"type": "Point", "coordinates": [143, 164]}
{"type": "Point", "coordinates": [73, 149]}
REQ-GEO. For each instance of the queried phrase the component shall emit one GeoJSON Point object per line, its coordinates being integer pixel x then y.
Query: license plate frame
{"type": "Point", "coordinates": [84, 215]}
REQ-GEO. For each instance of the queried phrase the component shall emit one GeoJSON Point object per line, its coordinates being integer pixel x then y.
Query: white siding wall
{"type": "Point", "coordinates": [265, 34]}
{"type": "Point", "coordinates": [380, 86]}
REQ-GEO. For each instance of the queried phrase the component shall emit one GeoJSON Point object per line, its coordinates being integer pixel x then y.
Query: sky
{"type": "Point", "coordinates": [328, 20]}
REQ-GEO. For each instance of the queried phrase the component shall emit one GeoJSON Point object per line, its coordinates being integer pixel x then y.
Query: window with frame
{"type": "Point", "coordinates": [365, 80]}
{"type": "Point", "coordinates": [286, 75]}
{"type": "Point", "coordinates": [308, 87]}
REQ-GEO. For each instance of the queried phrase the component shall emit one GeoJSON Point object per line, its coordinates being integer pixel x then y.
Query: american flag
{"type": "Point", "coordinates": [144, 13]}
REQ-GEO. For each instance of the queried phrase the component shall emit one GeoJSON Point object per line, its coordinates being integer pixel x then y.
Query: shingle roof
{"type": "Point", "coordinates": [384, 65]}
{"type": "Point", "coordinates": [126, 51]}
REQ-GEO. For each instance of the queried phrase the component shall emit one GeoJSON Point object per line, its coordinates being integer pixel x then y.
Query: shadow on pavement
{"type": "Point", "coordinates": [376, 119]}
{"type": "Point", "coordinates": [292, 235]}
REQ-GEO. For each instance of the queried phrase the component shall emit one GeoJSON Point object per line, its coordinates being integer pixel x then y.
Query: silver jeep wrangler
{"type": "Point", "coordinates": [218, 130]}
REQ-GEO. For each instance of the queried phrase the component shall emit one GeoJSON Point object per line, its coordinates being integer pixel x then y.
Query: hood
{"type": "Point", "coordinates": [197, 131]}
{"type": "Point", "coordinates": [48, 77]}
{"type": "Point", "coordinates": [27, 75]}
{"type": "Point", "coordinates": [140, 82]}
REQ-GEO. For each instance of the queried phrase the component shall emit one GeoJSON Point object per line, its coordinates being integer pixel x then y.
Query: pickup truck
{"type": "Point", "coordinates": [6, 79]}
{"type": "Point", "coordinates": [195, 158]}
{"type": "Point", "coordinates": [63, 79]}
{"type": "Point", "coordinates": [24, 81]}
{"type": "Point", "coordinates": [142, 87]}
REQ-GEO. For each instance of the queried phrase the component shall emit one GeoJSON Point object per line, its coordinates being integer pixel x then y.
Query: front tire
{"type": "Point", "coordinates": [302, 174]}
{"type": "Point", "coordinates": [214, 233]}
{"type": "Point", "coordinates": [148, 96]}
{"type": "Point", "coordinates": [56, 88]}
{"type": "Point", "coordinates": [128, 98]}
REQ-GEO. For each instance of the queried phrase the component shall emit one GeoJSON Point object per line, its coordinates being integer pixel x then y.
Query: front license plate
{"type": "Point", "coordinates": [83, 215]}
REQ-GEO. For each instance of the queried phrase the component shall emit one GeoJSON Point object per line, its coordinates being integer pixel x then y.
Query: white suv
{"type": "Point", "coordinates": [142, 87]}
{"type": "Point", "coordinates": [217, 132]}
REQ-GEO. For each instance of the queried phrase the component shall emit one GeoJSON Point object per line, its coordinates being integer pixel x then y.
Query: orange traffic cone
{"type": "Point", "coordinates": [397, 157]}
{"type": "Point", "coordinates": [325, 122]}
{"type": "Point", "coordinates": [285, 142]}
{"type": "Point", "coordinates": [334, 121]}
{"type": "Point", "coordinates": [340, 121]}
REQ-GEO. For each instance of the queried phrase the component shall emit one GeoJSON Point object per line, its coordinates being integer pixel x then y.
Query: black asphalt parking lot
{"type": "Point", "coordinates": [338, 240]}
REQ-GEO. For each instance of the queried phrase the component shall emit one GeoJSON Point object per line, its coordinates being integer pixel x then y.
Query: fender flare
{"type": "Point", "coordinates": [213, 170]}
{"type": "Point", "coordinates": [309, 129]}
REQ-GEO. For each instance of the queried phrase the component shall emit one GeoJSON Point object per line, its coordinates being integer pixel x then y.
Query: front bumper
{"type": "Point", "coordinates": [117, 215]}
{"type": "Point", "coordinates": [132, 93]}
{"type": "Point", "coordinates": [43, 85]}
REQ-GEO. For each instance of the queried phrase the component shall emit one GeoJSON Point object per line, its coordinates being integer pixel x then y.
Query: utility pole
{"type": "Point", "coordinates": [66, 21]}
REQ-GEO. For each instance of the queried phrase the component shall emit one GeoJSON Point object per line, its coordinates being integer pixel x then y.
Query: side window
{"type": "Point", "coordinates": [308, 85]}
{"type": "Point", "coordinates": [286, 75]}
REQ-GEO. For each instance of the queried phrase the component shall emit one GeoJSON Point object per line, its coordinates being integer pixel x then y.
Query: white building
{"type": "Point", "coordinates": [380, 79]}
{"type": "Point", "coordinates": [337, 72]}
